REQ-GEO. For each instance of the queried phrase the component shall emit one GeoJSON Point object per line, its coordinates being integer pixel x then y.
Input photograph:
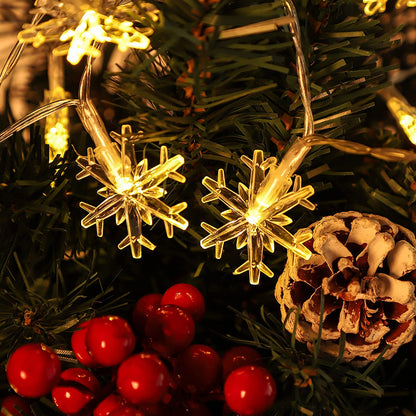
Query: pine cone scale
{"type": "Point", "coordinates": [349, 319]}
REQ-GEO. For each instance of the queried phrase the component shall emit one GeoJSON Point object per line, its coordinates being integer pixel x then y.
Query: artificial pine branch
{"type": "Point", "coordinates": [46, 285]}
{"type": "Point", "coordinates": [203, 93]}
{"type": "Point", "coordinates": [315, 385]}
{"type": "Point", "coordinates": [211, 98]}
{"type": "Point", "coordinates": [34, 210]}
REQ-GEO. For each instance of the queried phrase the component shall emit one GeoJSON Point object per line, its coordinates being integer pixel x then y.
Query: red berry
{"type": "Point", "coordinates": [79, 347]}
{"type": "Point", "coordinates": [15, 405]}
{"type": "Point", "coordinates": [169, 329]}
{"type": "Point", "coordinates": [143, 379]}
{"type": "Point", "coordinates": [249, 390]}
{"type": "Point", "coordinates": [32, 370]}
{"type": "Point", "coordinates": [76, 389]}
{"type": "Point", "coordinates": [198, 368]}
{"type": "Point", "coordinates": [109, 340]}
{"type": "Point", "coordinates": [239, 356]}
{"type": "Point", "coordinates": [110, 404]}
{"type": "Point", "coordinates": [187, 297]}
{"type": "Point", "coordinates": [143, 308]}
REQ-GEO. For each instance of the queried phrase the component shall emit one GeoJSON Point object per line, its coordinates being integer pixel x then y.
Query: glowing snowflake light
{"type": "Point", "coordinates": [379, 6]}
{"type": "Point", "coordinates": [401, 110]}
{"type": "Point", "coordinates": [95, 27]}
{"type": "Point", "coordinates": [57, 125]}
{"type": "Point", "coordinates": [256, 215]}
{"type": "Point", "coordinates": [131, 191]}
{"type": "Point", "coordinates": [81, 25]}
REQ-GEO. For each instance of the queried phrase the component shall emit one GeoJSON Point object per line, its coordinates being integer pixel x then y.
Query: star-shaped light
{"type": "Point", "coordinates": [131, 191]}
{"type": "Point", "coordinates": [81, 25]}
{"type": "Point", "coordinates": [256, 216]}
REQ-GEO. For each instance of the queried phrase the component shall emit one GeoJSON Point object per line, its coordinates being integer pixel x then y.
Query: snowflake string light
{"type": "Point", "coordinates": [256, 215]}
{"type": "Point", "coordinates": [80, 25]}
{"type": "Point", "coordinates": [131, 191]}
{"type": "Point", "coordinates": [379, 6]}
{"type": "Point", "coordinates": [57, 125]}
{"type": "Point", "coordinates": [401, 110]}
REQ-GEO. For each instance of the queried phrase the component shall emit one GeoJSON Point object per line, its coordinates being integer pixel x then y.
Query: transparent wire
{"type": "Point", "coordinates": [389, 154]}
{"type": "Point", "coordinates": [16, 52]}
{"type": "Point", "coordinates": [277, 177]}
{"type": "Point", "coordinates": [35, 116]}
{"type": "Point", "coordinates": [87, 111]}
{"type": "Point", "coordinates": [301, 68]}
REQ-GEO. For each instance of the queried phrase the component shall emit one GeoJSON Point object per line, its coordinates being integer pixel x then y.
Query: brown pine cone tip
{"type": "Point", "coordinates": [365, 267]}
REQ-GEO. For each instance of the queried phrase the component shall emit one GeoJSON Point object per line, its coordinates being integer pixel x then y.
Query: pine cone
{"type": "Point", "coordinates": [364, 266]}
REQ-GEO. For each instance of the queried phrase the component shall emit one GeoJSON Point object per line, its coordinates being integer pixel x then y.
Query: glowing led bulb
{"type": "Point", "coordinates": [408, 3]}
{"type": "Point", "coordinates": [95, 27]}
{"type": "Point", "coordinates": [57, 125]}
{"type": "Point", "coordinates": [405, 115]}
{"type": "Point", "coordinates": [57, 136]}
{"type": "Point", "coordinates": [374, 6]}
{"type": "Point", "coordinates": [379, 6]}
{"type": "Point", "coordinates": [81, 26]}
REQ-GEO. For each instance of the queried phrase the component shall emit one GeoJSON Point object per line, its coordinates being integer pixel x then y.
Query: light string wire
{"type": "Point", "coordinates": [290, 161]}
{"type": "Point", "coordinates": [106, 150]}
{"type": "Point", "coordinates": [86, 110]}
{"type": "Point", "coordinates": [37, 115]}
{"type": "Point", "coordinates": [17, 51]}
{"type": "Point", "coordinates": [302, 145]}
{"type": "Point", "coordinates": [278, 175]}
{"type": "Point", "coordinates": [301, 68]}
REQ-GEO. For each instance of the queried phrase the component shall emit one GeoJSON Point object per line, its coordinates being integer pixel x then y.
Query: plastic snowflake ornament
{"type": "Point", "coordinates": [80, 26]}
{"type": "Point", "coordinates": [56, 124]}
{"type": "Point", "coordinates": [131, 191]}
{"type": "Point", "coordinates": [256, 215]}
{"type": "Point", "coordinates": [95, 27]}
{"type": "Point", "coordinates": [402, 111]}
{"type": "Point", "coordinates": [379, 6]}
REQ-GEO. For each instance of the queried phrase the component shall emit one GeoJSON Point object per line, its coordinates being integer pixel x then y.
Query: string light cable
{"type": "Point", "coordinates": [256, 214]}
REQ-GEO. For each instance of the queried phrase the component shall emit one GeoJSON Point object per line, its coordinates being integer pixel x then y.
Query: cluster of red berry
{"type": "Point", "coordinates": [170, 376]}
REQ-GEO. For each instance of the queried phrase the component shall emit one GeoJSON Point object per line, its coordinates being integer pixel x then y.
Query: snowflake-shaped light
{"type": "Point", "coordinates": [379, 6]}
{"type": "Point", "coordinates": [57, 125]}
{"type": "Point", "coordinates": [256, 217]}
{"type": "Point", "coordinates": [81, 25]}
{"type": "Point", "coordinates": [131, 191]}
{"type": "Point", "coordinates": [405, 114]}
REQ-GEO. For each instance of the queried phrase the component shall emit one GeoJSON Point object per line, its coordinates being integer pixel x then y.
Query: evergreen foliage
{"type": "Point", "coordinates": [211, 98]}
